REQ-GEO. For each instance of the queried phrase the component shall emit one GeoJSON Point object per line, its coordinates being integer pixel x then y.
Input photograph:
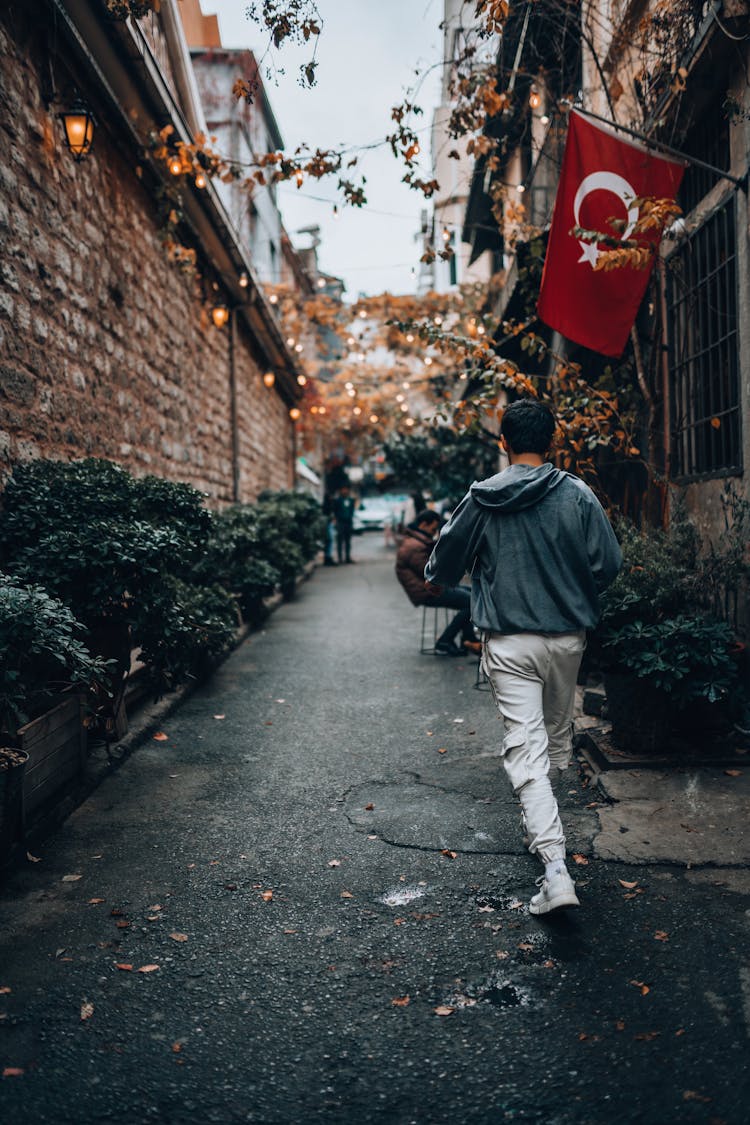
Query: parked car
{"type": "Point", "coordinates": [371, 514]}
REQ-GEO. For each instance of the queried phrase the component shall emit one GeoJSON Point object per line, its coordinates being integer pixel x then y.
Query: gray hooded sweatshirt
{"type": "Point", "coordinates": [538, 546]}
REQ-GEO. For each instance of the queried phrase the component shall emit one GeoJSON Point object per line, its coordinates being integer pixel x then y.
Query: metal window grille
{"type": "Point", "coordinates": [703, 337]}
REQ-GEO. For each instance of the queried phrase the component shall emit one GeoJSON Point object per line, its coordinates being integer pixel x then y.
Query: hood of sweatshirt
{"type": "Point", "coordinates": [517, 487]}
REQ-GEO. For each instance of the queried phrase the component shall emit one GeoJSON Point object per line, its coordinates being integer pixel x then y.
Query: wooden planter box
{"type": "Point", "coordinates": [56, 745]}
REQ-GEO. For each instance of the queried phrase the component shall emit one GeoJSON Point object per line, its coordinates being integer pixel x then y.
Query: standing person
{"type": "Point", "coordinates": [540, 549]}
{"type": "Point", "coordinates": [328, 559]}
{"type": "Point", "coordinates": [343, 511]}
{"type": "Point", "coordinates": [413, 552]}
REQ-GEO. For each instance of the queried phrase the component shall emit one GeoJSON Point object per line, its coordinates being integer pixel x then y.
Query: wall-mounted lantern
{"type": "Point", "coordinates": [269, 379]}
{"type": "Point", "coordinates": [220, 315]}
{"type": "Point", "coordinates": [78, 123]}
{"type": "Point", "coordinates": [295, 413]}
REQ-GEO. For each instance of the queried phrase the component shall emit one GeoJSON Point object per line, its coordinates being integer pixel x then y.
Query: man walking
{"type": "Point", "coordinates": [540, 550]}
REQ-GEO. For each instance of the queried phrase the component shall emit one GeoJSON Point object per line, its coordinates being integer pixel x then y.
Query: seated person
{"type": "Point", "coordinates": [411, 559]}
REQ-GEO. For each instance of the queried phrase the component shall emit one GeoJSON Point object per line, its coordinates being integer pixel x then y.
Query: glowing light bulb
{"type": "Point", "coordinates": [273, 298]}
{"type": "Point", "coordinates": [357, 410]}
{"type": "Point", "coordinates": [298, 347]}
{"type": "Point", "coordinates": [409, 338]}
{"type": "Point", "coordinates": [295, 413]}
{"type": "Point", "coordinates": [373, 417]}
{"type": "Point", "coordinates": [362, 314]}
{"type": "Point", "coordinates": [404, 406]}
{"type": "Point", "coordinates": [544, 119]}
{"type": "Point", "coordinates": [269, 379]}
{"type": "Point", "coordinates": [410, 421]}
{"type": "Point", "coordinates": [321, 410]}
{"type": "Point", "coordinates": [521, 188]}
{"type": "Point", "coordinates": [405, 386]}
{"type": "Point", "coordinates": [349, 386]}
{"type": "Point", "coordinates": [437, 320]}
{"type": "Point", "coordinates": [302, 379]}
{"type": "Point", "coordinates": [175, 165]}
{"type": "Point", "coordinates": [427, 361]}
{"type": "Point", "coordinates": [535, 98]}
{"type": "Point", "coordinates": [481, 330]}
{"type": "Point", "coordinates": [399, 398]}
{"type": "Point", "coordinates": [290, 341]}
{"type": "Point", "coordinates": [200, 182]}
{"type": "Point", "coordinates": [243, 280]}
{"type": "Point", "coordinates": [352, 393]}
{"type": "Point", "coordinates": [220, 315]}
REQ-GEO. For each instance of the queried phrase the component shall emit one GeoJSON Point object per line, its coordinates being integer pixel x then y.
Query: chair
{"type": "Point", "coordinates": [424, 647]}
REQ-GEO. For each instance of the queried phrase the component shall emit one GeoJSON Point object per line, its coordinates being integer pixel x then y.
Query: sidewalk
{"type": "Point", "coordinates": [321, 869]}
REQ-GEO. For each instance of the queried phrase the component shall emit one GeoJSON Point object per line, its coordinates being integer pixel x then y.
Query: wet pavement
{"type": "Point", "coordinates": [308, 904]}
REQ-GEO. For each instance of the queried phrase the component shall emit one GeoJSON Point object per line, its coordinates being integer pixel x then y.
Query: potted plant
{"type": "Point", "coordinates": [43, 656]}
{"type": "Point", "coordinates": [664, 651]}
{"type": "Point", "coordinates": [112, 548]}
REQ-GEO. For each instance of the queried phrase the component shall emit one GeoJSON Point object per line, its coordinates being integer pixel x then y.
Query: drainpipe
{"type": "Point", "coordinates": [234, 421]}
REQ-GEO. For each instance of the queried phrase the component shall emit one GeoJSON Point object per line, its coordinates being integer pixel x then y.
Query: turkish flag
{"type": "Point", "coordinates": [601, 176]}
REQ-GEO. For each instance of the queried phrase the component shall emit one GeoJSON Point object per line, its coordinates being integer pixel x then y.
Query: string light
{"type": "Point", "coordinates": [349, 386]}
{"type": "Point", "coordinates": [175, 165]}
{"type": "Point", "coordinates": [404, 405]}
{"type": "Point", "coordinates": [446, 235]}
{"type": "Point", "coordinates": [481, 330]}
{"type": "Point", "coordinates": [535, 98]}
{"type": "Point", "coordinates": [295, 413]}
{"type": "Point", "coordinates": [399, 398]}
{"type": "Point", "coordinates": [409, 338]}
{"type": "Point", "coordinates": [200, 182]}
{"type": "Point", "coordinates": [269, 379]}
{"type": "Point", "coordinates": [290, 341]}
{"type": "Point", "coordinates": [298, 347]}
{"type": "Point", "coordinates": [313, 410]}
{"type": "Point", "coordinates": [302, 379]}
{"type": "Point", "coordinates": [544, 119]}
{"type": "Point", "coordinates": [437, 320]}
{"type": "Point", "coordinates": [521, 188]}
{"type": "Point", "coordinates": [321, 410]}
{"type": "Point", "coordinates": [357, 410]}
{"type": "Point", "coordinates": [405, 386]}
{"type": "Point", "coordinates": [243, 280]}
{"type": "Point", "coordinates": [273, 298]}
{"type": "Point", "coordinates": [352, 393]}
{"type": "Point", "coordinates": [410, 421]}
{"type": "Point", "coordinates": [220, 315]}
{"type": "Point", "coordinates": [373, 418]}
{"type": "Point", "coordinates": [362, 314]}
{"type": "Point", "coordinates": [427, 361]}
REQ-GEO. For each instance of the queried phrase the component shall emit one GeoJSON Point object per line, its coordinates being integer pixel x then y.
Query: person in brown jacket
{"type": "Point", "coordinates": [411, 559]}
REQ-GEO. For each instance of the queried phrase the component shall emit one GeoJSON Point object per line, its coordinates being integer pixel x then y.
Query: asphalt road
{"type": "Point", "coordinates": [321, 858]}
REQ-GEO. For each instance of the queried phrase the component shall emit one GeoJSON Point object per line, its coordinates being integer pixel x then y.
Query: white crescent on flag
{"type": "Point", "coordinates": [616, 185]}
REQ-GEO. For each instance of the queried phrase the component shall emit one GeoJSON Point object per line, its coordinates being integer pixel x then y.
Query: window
{"type": "Point", "coordinates": [704, 376]}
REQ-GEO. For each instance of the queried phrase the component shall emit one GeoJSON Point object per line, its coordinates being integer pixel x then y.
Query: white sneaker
{"type": "Point", "coordinates": [559, 890]}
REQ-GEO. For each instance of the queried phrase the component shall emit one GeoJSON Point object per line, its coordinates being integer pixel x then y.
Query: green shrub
{"type": "Point", "coordinates": [42, 652]}
{"type": "Point", "coordinates": [290, 528]}
{"type": "Point", "coordinates": [232, 557]}
{"type": "Point", "coordinates": [189, 629]}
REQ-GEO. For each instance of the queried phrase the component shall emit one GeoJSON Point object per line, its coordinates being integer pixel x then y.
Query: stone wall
{"type": "Point", "coordinates": [106, 349]}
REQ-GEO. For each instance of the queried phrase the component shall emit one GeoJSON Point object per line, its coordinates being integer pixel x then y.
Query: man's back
{"type": "Point", "coordinates": [539, 548]}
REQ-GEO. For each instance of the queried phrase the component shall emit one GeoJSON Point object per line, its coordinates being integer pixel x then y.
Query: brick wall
{"type": "Point", "coordinates": [106, 349]}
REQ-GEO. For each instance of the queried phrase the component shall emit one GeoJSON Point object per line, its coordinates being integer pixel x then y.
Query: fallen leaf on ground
{"type": "Point", "coordinates": [13, 1072]}
{"type": "Point", "coordinates": [370, 807]}
{"type": "Point", "coordinates": [4, 991]}
{"type": "Point", "coordinates": [398, 921]}
{"type": "Point", "coordinates": [628, 886]}
{"type": "Point", "coordinates": [160, 736]}
{"type": "Point", "coordinates": [515, 905]}
{"type": "Point", "coordinates": [347, 894]}
{"type": "Point", "coordinates": [71, 878]}
{"type": "Point", "coordinates": [443, 750]}
{"type": "Point", "coordinates": [647, 1036]}
{"type": "Point", "coordinates": [733, 773]}
{"type": "Point", "coordinates": [123, 924]}
{"type": "Point", "coordinates": [95, 901]}
{"type": "Point", "coordinates": [548, 964]}
{"type": "Point", "coordinates": [123, 967]}
{"type": "Point", "coordinates": [291, 931]}
{"type": "Point", "coordinates": [694, 1096]}
{"type": "Point", "coordinates": [372, 836]}
{"type": "Point", "coordinates": [582, 1037]}
{"type": "Point", "coordinates": [230, 886]}
{"type": "Point", "coordinates": [486, 909]}
{"type": "Point", "coordinates": [620, 1025]}
{"type": "Point", "coordinates": [458, 720]}
{"type": "Point", "coordinates": [400, 1001]}
{"type": "Point", "coordinates": [148, 968]}
{"type": "Point", "coordinates": [115, 912]}
{"type": "Point", "coordinates": [178, 937]}
{"type": "Point", "coordinates": [177, 1047]}
{"type": "Point", "coordinates": [661, 935]}
{"type": "Point", "coordinates": [581, 860]}
{"type": "Point", "coordinates": [33, 858]}
{"type": "Point", "coordinates": [280, 701]}
{"type": "Point", "coordinates": [448, 853]}
{"type": "Point", "coordinates": [87, 1010]}
{"type": "Point", "coordinates": [429, 733]}
{"type": "Point", "coordinates": [502, 954]}
{"type": "Point", "coordinates": [267, 896]}
{"type": "Point", "coordinates": [526, 946]}
{"type": "Point", "coordinates": [334, 863]}
{"type": "Point", "coordinates": [153, 917]}
{"type": "Point", "coordinates": [220, 716]}
{"type": "Point", "coordinates": [592, 805]}
{"type": "Point", "coordinates": [443, 1010]}
{"type": "Point", "coordinates": [680, 1031]}
{"type": "Point", "coordinates": [643, 987]}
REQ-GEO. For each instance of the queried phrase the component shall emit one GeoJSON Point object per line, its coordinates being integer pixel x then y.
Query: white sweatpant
{"type": "Point", "coordinates": [533, 679]}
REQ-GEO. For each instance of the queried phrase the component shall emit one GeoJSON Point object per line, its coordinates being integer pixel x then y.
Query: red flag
{"type": "Point", "coordinates": [601, 175]}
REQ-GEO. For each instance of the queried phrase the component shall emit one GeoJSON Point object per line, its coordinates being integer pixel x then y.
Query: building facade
{"type": "Point", "coordinates": [107, 347]}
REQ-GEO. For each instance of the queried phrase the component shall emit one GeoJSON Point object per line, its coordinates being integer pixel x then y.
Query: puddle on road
{"type": "Point", "coordinates": [497, 990]}
{"type": "Point", "coordinates": [402, 896]}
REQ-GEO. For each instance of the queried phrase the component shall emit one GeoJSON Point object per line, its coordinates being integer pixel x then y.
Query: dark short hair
{"type": "Point", "coordinates": [528, 425]}
{"type": "Point", "coordinates": [428, 516]}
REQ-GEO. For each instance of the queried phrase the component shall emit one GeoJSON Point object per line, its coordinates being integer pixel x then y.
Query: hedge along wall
{"type": "Point", "coordinates": [107, 349]}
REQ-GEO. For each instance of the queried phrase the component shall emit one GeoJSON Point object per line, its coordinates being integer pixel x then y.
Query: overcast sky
{"type": "Point", "coordinates": [368, 54]}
